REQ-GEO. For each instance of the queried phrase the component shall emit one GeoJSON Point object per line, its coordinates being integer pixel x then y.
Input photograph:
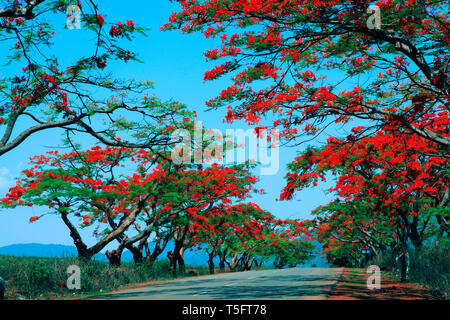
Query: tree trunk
{"type": "Point", "coordinates": [404, 250]}
{"type": "Point", "coordinates": [177, 258]}
{"type": "Point", "coordinates": [137, 253]}
{"type": "Point", "coordinates": [211, 263]}
{"type": "Point", "coordinates": [403, 268]}
{"type": "Point", "coordinates": [159, 248]}
{"type": "Point", "coordinates": [234, 261]}
{"type": "Point", "coordinates": [413, 233]}
{"type": "Point", "coordinates": [222, 257]}
{"type": "Point", "coordinates": [249, 263]}
{"type": "Point", "coordinates": [180, 260]}
{"type": "Point", "coordinates": [244, 261]}
{"type": "Point", "coordinates": [114, 257]}
{"type": "Point", "coordinates": [179, 248]}
{"type": "Point", "coordinates": [2, 288]}
{"type": "Point", "coordinates": [172, 262]}
{"type": "Point", "coordinates": [151, 257]}
{"type": "Point", "coordinates": [87, 253]}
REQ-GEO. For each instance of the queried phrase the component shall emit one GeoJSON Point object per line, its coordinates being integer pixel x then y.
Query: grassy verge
{"type": "Point", "coordinates": [429, 266]}
{"type": "Point", "coordinates": [45, 278]}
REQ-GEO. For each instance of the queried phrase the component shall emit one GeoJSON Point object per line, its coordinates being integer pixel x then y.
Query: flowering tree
{"type": "Point", "coordinates": [228, 226]}
{"type": "Point", "coordinates": [390, 186]}
{"type": "Point", "coordinates": [302, 66]}
{"type": "Point", "coordinates": [289, 244]}
{"type": "Point", "coordinates": [201, 195]}
{"type": "Point", "coordinates": [69, 92]}
{"type": "Point", "coordinates": [392, 170]}
{"type": "Point", "coordinates": [247, 235]}
{"type": "Point", "coordinates": [117, 188]}
{"type": "Point", "coordinates": [183, 200]}
{"type": "Point", "coordinates": [347, 230]}
{"type": "Point", "coordinates": [86, 185]}
{"type": "Point", "coordinates": [306, 49]}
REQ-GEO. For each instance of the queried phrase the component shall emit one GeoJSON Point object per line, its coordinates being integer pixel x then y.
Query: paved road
{"type": "Point", "coordinates": [293, 283]}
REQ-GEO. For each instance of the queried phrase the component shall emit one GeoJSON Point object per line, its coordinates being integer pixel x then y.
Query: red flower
{"type": "Point", "coordinates": [34, 219]}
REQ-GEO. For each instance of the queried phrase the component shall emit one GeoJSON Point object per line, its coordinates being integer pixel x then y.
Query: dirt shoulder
{"type": "Point", "coordinates": [353, 286]}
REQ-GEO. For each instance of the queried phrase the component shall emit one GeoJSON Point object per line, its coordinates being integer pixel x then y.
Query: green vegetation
{"type": "Point", "coordinates": [429, 266]}
{"type": "Point", "coordinates": [45, 278]}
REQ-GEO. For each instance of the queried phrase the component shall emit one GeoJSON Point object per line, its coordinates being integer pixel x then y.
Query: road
{"type": "Point", "coordinates": [292, 283]}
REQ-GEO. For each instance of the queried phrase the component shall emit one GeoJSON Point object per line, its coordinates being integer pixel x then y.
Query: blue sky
{"type": "Point", "coordinates": [176, 64]}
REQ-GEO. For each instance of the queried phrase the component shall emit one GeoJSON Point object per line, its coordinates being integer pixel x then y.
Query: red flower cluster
{"type": "Point", "coordinates": [122, 30]}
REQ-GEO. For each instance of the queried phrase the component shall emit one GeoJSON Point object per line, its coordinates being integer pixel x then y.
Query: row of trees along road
{"type": "Point", "coordinates": [318, 64]}
{"type": "Point", "coordinates": [305, 66]}
{"type": "Point", "coordinates": [126, 187]}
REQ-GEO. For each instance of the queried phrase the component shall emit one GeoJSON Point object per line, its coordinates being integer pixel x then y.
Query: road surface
{"type": "Point", "coordinates": [292, 283]}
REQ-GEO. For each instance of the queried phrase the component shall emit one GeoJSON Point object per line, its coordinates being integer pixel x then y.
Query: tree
{"type": "Point", "coordinates": [69, 92]}
{"type": "Point", "coordinates": [87, 185]}
{"type": "Point", "coordinates": [245, 235]}
{"type": "Point", "coordinates": [389, 186]}
{"type": "Point", "coordinates": [347, 228]}
{"type": "Point", "coordinates": [202, 194]}
{"type": "Point", "coordinates": [227, 226]}
{"type": "Point", "coordinates": [392, 170]}
{"type": "Point", "coordinates": [92, 186]}
{"type": "Point", "coordinates": [294, 45]}
{"type": "Point", "coordinates": [157, 197]}
{"type": "Point", "coordinates": [303, 66]}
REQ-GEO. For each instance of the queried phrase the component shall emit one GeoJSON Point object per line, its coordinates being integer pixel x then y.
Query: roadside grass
{"type": "Point", "coordinates": [45, 278]}
{"type": "Point", "coordinates": [431, 266]}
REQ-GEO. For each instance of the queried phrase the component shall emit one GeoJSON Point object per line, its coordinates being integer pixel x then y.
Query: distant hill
{"type": "Point", "coordinates": [38, 250]}
{"type": "Point", "coordinates": [194, 257]}
{"type": "Point", "coordinates": [58, 250]}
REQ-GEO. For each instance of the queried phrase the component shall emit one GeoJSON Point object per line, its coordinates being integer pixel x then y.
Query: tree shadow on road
{"type": "Point", "coordinates": [285, 287]}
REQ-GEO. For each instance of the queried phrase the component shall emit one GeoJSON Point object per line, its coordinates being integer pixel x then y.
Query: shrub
{"type": "Point", "coordinates": [40, 275]}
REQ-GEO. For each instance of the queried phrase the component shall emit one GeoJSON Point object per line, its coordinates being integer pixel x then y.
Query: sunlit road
{"type": "Point", "coordinates": [293, 283]}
